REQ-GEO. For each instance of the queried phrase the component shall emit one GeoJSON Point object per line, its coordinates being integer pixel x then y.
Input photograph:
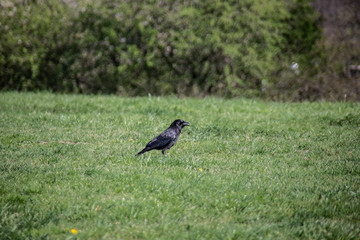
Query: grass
{"type": "Point", "coordinates": [244, 169]}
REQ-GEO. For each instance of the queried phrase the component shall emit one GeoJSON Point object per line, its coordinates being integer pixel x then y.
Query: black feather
{"type": "Point", "coordinates": [167, 138]}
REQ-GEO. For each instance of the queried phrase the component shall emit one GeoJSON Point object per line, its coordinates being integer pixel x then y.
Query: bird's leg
{"type": "Point", "coordinates": [163, 152]}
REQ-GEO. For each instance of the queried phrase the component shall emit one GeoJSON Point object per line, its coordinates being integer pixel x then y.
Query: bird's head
{"type": "Point", "coordinates": [180, 123]}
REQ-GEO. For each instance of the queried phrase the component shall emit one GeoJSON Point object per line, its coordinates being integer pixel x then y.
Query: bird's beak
{"type": "Point", "coordinates": [186, 123]}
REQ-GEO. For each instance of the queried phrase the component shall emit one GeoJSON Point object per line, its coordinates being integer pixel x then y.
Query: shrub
{"type": "Point", "coordinates": [187, 47]}
{"type": "Point", "coordinates": [229, 48]}
{"type": "Point", "coordinates": [30, 34]}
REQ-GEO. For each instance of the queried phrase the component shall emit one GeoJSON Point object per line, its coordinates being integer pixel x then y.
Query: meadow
{"type": "Point", "coordinates": [244, 169]}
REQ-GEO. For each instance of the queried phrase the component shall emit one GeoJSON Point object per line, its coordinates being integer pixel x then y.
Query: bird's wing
{"type": "Point", "coordinates": [159, 142]}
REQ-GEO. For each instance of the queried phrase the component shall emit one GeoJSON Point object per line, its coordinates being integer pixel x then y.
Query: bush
{"type": "Point", "coordinates": [30, 34]}
{"type": "Point", "coordinates": [230, 48]}
{"type": "Point", "coordinates": [190, 48]}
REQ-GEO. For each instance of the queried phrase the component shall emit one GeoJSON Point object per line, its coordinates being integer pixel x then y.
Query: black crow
{"type": "Point", "coordinates": [167, 138]}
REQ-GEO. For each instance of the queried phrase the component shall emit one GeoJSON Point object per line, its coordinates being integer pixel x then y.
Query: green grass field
{"type": "Point", "coordinates": [244, 169]}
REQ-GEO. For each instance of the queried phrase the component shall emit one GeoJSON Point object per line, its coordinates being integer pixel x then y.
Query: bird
{"type": "Point", "coordinates": [166, 139]}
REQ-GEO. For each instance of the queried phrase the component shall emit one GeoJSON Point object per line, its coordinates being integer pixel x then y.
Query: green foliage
{"type": "Point", "coordinates": [28, 40]}
{"type": "Point", "coordinates": [248, 170]}
{"type": "Point", "coordinates": [109, 50]}
{"type": "Point", "coordinates": [304, 30]}
{"type": "Point", "coordinates": [303, 55]}
{"type": "Point", "coordinates": [224, 47]}
{"type": "Point", "coordinates": [227, 48]}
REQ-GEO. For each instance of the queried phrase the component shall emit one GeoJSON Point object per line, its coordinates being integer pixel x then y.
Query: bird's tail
{"type": "Point", "coordinates": [141, 152]}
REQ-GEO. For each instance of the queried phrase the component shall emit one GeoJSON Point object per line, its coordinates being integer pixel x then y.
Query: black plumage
{"type": "Point", "coordinates": [167, 138]}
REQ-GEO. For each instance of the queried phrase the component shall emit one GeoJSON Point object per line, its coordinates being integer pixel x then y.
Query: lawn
{"type": "Point", "coordinates": [244, 169]}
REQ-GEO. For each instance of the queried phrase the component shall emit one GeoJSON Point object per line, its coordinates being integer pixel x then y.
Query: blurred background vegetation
{"type": "Point", "coordinates": [275, 49]}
